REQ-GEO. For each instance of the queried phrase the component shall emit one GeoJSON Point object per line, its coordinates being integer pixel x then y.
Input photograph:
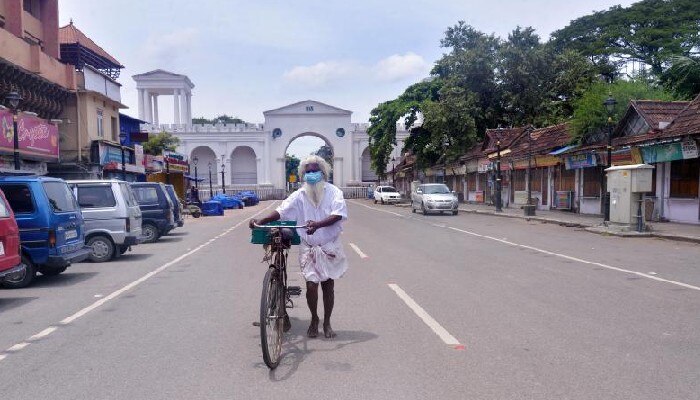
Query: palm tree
{"type": "Point", "coordinates": [683, 76]}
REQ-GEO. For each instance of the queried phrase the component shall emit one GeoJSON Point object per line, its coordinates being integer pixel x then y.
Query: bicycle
{"type": "Point", "coordinates": [277, 238]}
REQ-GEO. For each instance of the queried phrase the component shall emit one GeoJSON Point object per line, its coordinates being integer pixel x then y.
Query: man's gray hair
{"type": "Point", "coordinates": [314, 159]}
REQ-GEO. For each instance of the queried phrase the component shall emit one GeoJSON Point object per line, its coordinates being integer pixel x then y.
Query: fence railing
{"type": "Point", "coordinates": [354, 192]}
{"type": "Point", "coordinates": [268, 193]}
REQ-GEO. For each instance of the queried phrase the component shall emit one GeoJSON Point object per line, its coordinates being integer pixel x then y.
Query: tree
{"type": "Point", "coordinates": [683, 77]}
{"type": "Point", "coordinates": [590, 116]}
{"type": "Point", "coordinates": [159, 143]}
{"type": "Point", "coordinates": [291, 165]}
{"type": "Point", "coordinates": [650, 31]}
{"type": "Point", "coordinates": [221, 119]}
{"type": "Point", "coordinates": [325, 152]}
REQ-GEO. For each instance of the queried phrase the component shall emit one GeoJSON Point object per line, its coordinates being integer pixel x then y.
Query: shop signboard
{"type": "Point", "coordinates": [38, 138]}
{"type": "Point", "coordinates": [110, 153]}
{"type": "Point", "coordinates": [689, 147]}
{"type": "Point", "coordinates": [577, 161]}
{"type": "Point", "coordinates": [484, 165]}
{"type": "Point", "coordinates": [547, 160]}
{"type": "Point", "coordinates": [669, 152]}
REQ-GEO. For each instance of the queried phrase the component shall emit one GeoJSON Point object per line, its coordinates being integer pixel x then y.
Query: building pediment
{"type": "Point", "coordinates": [161, 75]}
{"type": "Point", "coordinates": [307, 107]}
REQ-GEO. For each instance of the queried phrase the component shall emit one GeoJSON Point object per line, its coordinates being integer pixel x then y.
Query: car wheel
{"type": "Point", "coordinates": [23, 280]}
{"type": "Point", "coordinates": [423, 209]}
{"type": "Point", "coordinates": [413, 209]}
{"type": "Point", "coordinates": [101, 249]}
{"type": "Point", "coordinates": [150, 233]}
{"type": "Point", "coordinates": [375, 201]}
{"type": "Point", "coordinates": [454, 212]}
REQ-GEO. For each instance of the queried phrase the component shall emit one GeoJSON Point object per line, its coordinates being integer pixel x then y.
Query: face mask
{"type": "Point", "coordinates": [313, 177]}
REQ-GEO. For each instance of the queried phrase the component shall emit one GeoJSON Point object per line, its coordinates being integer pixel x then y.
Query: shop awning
{"type": "Point", "coordinates": [192, 178]}
{"type": "Point", "coordinates": [563, 150]}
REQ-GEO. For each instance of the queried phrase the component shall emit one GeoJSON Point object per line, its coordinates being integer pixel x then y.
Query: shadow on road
{"type": "Point", "coordinates": [176, 234]}
{"type": "Point", "coordinates": [14, 302]}
{"type": "Point", "coordinates": [134, 257]}
{"type": "Point", "coordinates": [64, 279]}
{"type": "Point", "coordinates": [295, 349]}
{"type": "Point", "coordinates": [168, 239]}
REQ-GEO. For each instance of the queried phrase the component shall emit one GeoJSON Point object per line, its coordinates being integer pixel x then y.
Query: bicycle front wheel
{"type": "Point", "coordinates": [271, 318]}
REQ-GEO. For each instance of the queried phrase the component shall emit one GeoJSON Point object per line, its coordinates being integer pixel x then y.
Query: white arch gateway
{"type": "Point", "coordinates": [254, 154]}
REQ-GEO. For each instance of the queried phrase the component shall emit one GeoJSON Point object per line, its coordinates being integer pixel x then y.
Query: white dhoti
{"type": "Point", "coordinates": [322, 262]}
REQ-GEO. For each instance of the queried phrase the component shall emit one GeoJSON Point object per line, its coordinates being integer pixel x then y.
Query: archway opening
{"type": "Point", "coordinates": [207, 166]}
{"type": "Point", "coordinates": [244, 166]}
{"type": "Point", "coordinates": [301, 147]}
{"type": "Point", "coordinates": [368, 174]}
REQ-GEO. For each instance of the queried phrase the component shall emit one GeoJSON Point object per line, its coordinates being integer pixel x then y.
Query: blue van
{"type": "Point", "coordinates": [50, 225]}
{"type": "Point", "coordinates": [158, 217]}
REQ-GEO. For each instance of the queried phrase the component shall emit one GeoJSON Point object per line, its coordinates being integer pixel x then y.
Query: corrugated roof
{"type": "Point", "coordinates": [69, 34]}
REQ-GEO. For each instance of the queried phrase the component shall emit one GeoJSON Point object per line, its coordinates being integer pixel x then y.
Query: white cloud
{"type": "Point", "coordinates": [397, 67]}
{"type": "Point", "coordinates": [323, 73]}
{"type": "Point", "coordinates": [164, 48]}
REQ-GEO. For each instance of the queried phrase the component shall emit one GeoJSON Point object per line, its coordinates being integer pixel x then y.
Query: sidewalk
{"type": "Point", "coordinates": [591, 223]}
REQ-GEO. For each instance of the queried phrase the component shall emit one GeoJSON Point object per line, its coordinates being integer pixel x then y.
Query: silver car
{"type": "Point", "coordinates": [434, 197]}
{"type": "Point", "coordinates": [112, 217]}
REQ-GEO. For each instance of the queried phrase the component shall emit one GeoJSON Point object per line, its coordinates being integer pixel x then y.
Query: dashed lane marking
{"type": "Point", "coordinates": [358, 251]}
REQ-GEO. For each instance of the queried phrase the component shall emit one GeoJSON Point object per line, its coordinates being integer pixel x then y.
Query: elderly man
{"type": "Point", "coordinates": [322, 207]}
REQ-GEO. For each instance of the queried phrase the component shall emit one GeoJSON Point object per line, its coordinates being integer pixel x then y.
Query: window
{"type": "Point", "coordinates": [146, 195]}
{"type": "Point", "coordinates": [4, 209]}
{"type": "Point", "coordinates": [100, 124]}
{"type": "Point", "coordinates": [128, 195]}
{"type": "Point", "coordinates": [60, 197]}
{"type": "Point", "coordinates": [685, 175]}
{"type": "Point", "coordinates": [32, 7]}
{"type": "Point", "coordinates": [99, 196]}
{"type": "Point", "coordinates": [115, 130]}
{"type": "Point", "coordinates": [591, 181]}
{"type": "Point", "coordinates": [19, 197]}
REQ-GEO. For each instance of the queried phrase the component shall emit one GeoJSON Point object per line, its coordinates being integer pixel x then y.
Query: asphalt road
{"type": "Point", "coordinates": [465, 307]}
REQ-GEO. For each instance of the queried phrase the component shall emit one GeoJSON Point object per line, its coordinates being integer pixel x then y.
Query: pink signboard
{"type": "Point", "coordinates": [38, 138]}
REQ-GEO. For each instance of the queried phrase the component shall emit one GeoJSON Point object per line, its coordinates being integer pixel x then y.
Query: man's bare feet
{"type": "Point", "coordinates": [328, 331]}
{"type": "Point", "coordinates": [313, 328]}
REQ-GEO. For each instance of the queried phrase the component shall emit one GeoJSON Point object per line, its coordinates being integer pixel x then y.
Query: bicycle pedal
{"type": "Point", "coordinates": [294, 290]}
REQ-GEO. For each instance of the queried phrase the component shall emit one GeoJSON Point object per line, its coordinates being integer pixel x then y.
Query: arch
{"type": "Point", "coordinates": [205, 155]}
{"type": "Point", "coordinates": [368, 174]}
{"type": "Point", "coordinates": [244, 168]}
{"type": "Point", "coordinates": [325, 141]}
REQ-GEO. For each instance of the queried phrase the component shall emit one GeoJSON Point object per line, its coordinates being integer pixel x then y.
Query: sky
{"type": "Point", "coordinates": [246, 57]}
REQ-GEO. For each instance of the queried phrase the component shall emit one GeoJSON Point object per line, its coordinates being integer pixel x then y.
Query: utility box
{"type": "Point", "coordinates": [626, 184]}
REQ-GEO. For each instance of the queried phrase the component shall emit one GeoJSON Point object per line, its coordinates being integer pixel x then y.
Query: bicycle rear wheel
{"type": "Point", "coordinates": [272, 313]}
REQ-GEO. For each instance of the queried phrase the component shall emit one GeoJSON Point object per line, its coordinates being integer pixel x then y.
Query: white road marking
{"type": "Point", "coordinates": [18, 347]}
{"type": "Point", "coordinates": [358, 251]}
{"type": "Point", "coordinates": [422, 314]}
{"type": "Point", "coordinates": [627, 271]}
{"type": "Point", "coordinates": [610, 267]}
{"type": "Point", "coordinates": [46, 332]}
{"type": "Point", "coordinates": [377, 209]}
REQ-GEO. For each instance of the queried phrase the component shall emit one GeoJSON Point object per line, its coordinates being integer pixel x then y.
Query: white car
{"type": "Point", "coordinates": [386, 194]}
{"type": "Point", "coordinates": [434, 197]}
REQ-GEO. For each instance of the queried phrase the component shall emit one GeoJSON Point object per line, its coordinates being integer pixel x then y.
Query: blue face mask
{"type": "Point", "coordinates": [313, 177]}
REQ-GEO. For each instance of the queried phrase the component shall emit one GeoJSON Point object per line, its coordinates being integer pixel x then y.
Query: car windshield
{"type": "Point", "coordinates": [389, 189]}
{"type": "Point", "coordinates": [60, 196]}
{"type": "Point", "coordinates": [436, 189]}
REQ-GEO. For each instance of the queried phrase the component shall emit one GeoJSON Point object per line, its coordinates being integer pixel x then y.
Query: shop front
{"type": "Point", "coordinates": [38, 142]}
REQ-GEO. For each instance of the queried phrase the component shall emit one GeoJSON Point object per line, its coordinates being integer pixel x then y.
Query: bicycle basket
{"type": "Point", "coordinates": [262, 235]}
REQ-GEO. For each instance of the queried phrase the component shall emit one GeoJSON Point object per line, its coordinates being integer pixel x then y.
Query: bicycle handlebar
{"type": "Point", "coordinates": [279, 226]}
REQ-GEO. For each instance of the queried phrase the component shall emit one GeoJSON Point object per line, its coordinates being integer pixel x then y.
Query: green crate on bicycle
{"type": "Point", "coordinates": [262, 235]}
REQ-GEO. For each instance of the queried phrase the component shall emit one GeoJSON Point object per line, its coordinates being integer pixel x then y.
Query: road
{"type": "Point", "coordinates": [465, 307]}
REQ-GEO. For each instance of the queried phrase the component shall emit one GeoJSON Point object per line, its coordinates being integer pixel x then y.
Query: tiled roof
{"type": "Point", "coordinates": [654, 111]}
{"type": "Point", "coordinates": [506, 135]}
{"type": "Point", "coordinates": [686, 123]}
{"type": "Point", "coordinates": [543, 140]}
{"type": "Point", "coordinates": [476, 151]}
{"type": "Point", "coordinates": [69, 34]}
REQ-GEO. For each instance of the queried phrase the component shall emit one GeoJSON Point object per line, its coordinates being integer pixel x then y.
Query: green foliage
{"type": "Point", "coordinates": [325, 152]}
{"type": "Point", "coordinates": [221, 119]}
{"type": "Point", "coordinates": [683, 77]}
{"type": "Point", "coordinates": [160, 142]}
{"type": "Point", "coordinates": [291, 165]}
{"type": "Point", "coordinates": [650, 31]}
{"type": "Point", "coordinates": [590, 116]}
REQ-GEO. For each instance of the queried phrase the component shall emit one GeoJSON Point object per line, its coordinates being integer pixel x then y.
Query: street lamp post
{"type": "Point", "coordinates": [211, 188]}
{"type": "Point", "coordinates": [13, 98]}
{"type": "Point", "coordinates": [498, 177]}
{"type": "Point", "coordinates": [529, 209]}
{"type": "Point", "coordinates": [195, 160]}
{"type": "Point", "coordinates": [167, 170]}
{"type": "Point", "coordinates": [445, 143]}
{"type": "Point", "coordinates": [393, 171]}
{"type": "Point", "coordinates": [122, 139]}
{"type": "Point", "coordinates": [609, 104]}
{"type": "Point", "coordinates": [223, 177]}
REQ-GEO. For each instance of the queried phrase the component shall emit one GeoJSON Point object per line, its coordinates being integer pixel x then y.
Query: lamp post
{"type": "Point", "coordinates": [13, 98]}
{"type": "Point", "coordinates": [498, 177]}
{"type": "Point", "coordinates": [167, 169]}
{"type": "Point", "coordinates": [609, 104]}
{"type": "Point", "coordinates": [445, 143]}
{"type": "Point", "coordinates": [195, 160]}
{"type": "Point", "coordinates": [529, 209]}
{"type": "Point", "coordinates": [122, 139]}
{"type": "Point", "coordinates": [211, 188]}
{"type": "Point", "coordinates": [223, 177]}
{"type": "Point", "coordinates": [393, 171]}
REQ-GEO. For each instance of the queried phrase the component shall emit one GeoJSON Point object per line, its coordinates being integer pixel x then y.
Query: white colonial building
{"type": "Point", "coordinates": [254, 154]}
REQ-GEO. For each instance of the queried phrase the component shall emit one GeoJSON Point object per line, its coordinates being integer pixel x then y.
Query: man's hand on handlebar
{"type": "Point", "coordinates": [312, 226]}
{"type": "Point", "coordinates": [252, 223]}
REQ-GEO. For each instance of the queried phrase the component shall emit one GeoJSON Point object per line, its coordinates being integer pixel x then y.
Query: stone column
{"type": "Point", "coordinates": [183, 107]}
{"type": "Point", "coordinates": [266, 165]}
{"type": "Point", "coordinates": [155, 109]}
{"type": "Point", "coordinates": [141, 105]}
{"type": "Point", "coordinates": [188, 121]}
{"type": "Point", "coordinates": [176, 106]}
{"type": "Point", "coordinates": [148, 107]}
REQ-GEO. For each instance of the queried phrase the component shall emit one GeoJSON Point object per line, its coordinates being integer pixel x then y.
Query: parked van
{"type": "Point", "coordinates": [10, 264]}
{"type": "Point", "coordinates": [178, 214]}
{"type": "Point", "coordinates": [156, 209]}
{"type": "Point", "coordinates": [112, 217]}
{"type": "Point", "coordinates": [51, 227]}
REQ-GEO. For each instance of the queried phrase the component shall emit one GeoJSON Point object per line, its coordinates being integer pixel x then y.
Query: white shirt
{"type": "Point", "coordinates": [298, 207]}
